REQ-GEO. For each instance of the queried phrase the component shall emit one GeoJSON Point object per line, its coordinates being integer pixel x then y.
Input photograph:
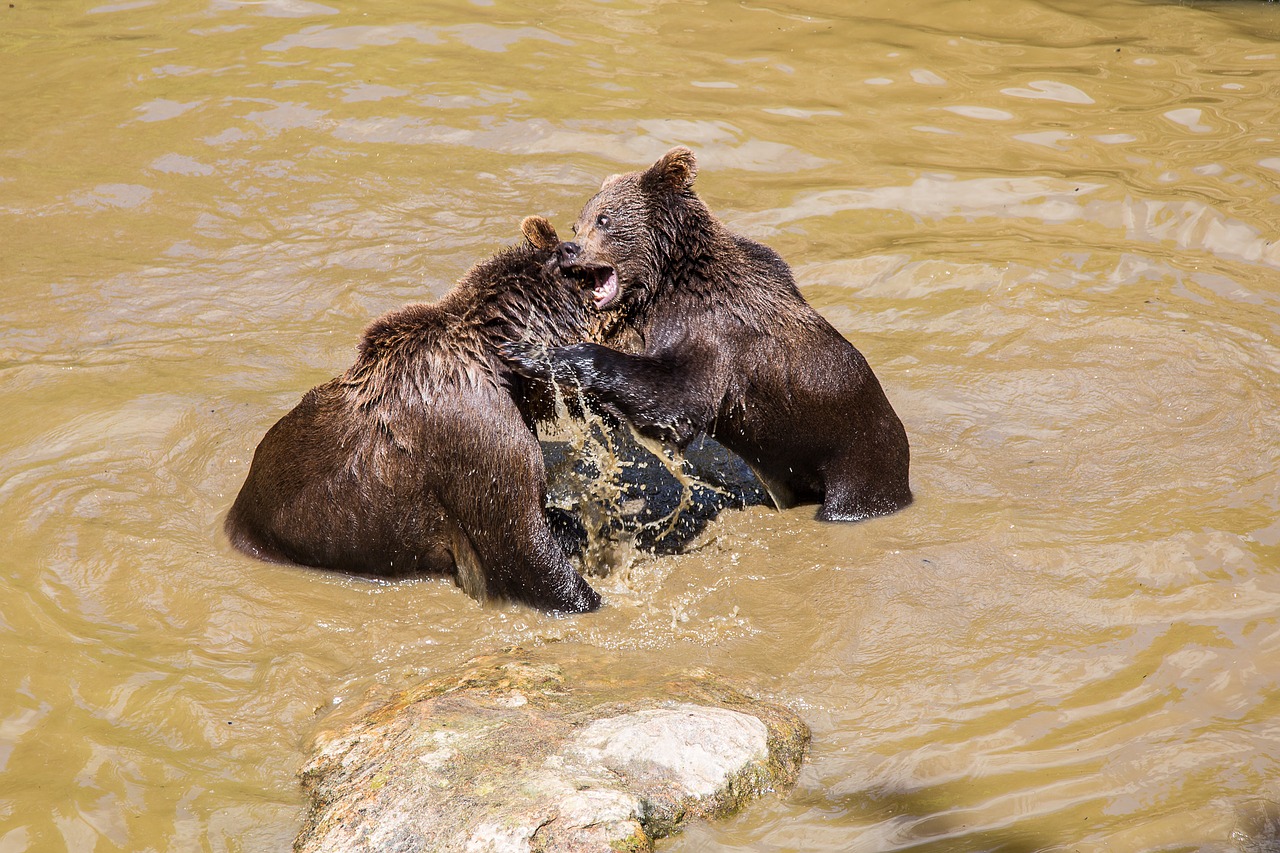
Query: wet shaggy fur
{"type": "Point", "coordinates": [421, 458]}
{"type": "Point", "coordinates": [710, 334]}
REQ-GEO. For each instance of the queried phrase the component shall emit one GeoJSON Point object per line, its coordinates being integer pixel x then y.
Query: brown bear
{"type": "Point", "coordinates": [711, 335]}
{"type": "Point", "coordinates": [422, 457]}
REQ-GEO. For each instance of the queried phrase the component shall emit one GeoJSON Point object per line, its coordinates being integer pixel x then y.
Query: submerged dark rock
{"type": "Point", "coordinates": [511, 754]}
{"type": "Point", "coordinates": [605, 485]}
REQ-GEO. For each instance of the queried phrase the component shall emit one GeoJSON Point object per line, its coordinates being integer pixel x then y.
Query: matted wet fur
{"type": "Point", "coordinates": [710, 334]}
{"type": "Point", "coordinates": [422, 458]}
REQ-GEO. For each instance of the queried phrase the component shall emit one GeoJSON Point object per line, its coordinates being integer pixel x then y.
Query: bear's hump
{"type": "Point", "coordinates": [410, 324]}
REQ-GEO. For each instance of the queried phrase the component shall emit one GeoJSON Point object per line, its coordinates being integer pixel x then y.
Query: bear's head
{"type": "Point", "coordinates": [541, 238]}
{"type": "Point", "coordinates": [537, 298]}
{"type": "Point", "coordinates": [636, 229]}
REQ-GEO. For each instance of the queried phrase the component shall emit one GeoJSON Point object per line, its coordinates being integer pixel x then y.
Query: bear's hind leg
{"type": "Point", "coordinates": [527, 566]}
{"type": "Point", "coordinates": [856, 497]}
{"type": "Point", "coordinates": [497, 495]}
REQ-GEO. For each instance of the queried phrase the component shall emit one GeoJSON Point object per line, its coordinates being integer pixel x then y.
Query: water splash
{"type": "Point", "coordinates": [631, 494]}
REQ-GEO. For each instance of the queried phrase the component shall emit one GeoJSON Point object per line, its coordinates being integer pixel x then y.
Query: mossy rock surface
{"type": "Point", "coordinates": [513, 754]}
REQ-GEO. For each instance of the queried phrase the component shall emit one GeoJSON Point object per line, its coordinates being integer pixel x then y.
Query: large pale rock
{"type": "Point", "coordinates": [510, 755]}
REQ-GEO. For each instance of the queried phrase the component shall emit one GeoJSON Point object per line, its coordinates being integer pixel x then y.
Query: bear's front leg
{"type": "Point", "coordinates": [527, 359]}
{"type": "Point", "coordinates": [658, 397]}
{"type": "Point", "coordinates": [590, 367]}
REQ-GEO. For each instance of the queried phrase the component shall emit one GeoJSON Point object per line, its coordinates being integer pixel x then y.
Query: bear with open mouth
{"type": "Point", "coordinates": [710, 335]}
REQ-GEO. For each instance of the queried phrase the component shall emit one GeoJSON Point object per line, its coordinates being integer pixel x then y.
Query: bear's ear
{"type": "Point", "coordinates": [678, 168]}
{"type": "Point", "coordinates": [540, 233]}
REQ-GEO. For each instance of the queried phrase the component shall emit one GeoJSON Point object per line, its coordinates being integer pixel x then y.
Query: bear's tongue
{"type": "Point", "coordinates": [606, 289]}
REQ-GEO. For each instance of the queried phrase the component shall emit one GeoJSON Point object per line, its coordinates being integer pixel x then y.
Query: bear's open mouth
{"type": "Point", "coordinates": [606, 285]}
{"type": "Point", "coordinates": [602, 280]}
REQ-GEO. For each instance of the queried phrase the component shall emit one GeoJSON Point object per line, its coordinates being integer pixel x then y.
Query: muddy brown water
{"type": "Point", "coordinates": [1051, 227]}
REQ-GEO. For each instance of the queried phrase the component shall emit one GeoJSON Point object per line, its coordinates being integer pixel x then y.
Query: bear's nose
{"type": "Point", "coordinates": [568, 253]}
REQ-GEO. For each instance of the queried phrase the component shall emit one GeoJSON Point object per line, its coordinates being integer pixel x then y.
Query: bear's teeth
{"type": "Point", "coordinates": [607, 290]}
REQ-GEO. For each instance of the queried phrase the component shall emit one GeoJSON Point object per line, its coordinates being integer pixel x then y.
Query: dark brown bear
{"type": "Point", "coordinates": [421, 458]}
{"type": "Point", "coordinates": [723, 343]}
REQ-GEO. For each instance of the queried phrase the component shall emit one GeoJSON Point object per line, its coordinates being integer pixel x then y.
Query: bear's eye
{"type": "Point", "coordinates": [602, 221]}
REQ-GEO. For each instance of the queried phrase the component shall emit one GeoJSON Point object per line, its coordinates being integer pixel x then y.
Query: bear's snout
{"type": "Point", "coordinates": [568, 253]}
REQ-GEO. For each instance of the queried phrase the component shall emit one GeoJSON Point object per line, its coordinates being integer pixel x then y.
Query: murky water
{"type": "Point", "coordinates": [1051, 227]}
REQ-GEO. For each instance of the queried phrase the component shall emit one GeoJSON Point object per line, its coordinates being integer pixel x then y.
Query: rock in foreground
{"type": "Point", "coordinates": [510, 755]}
